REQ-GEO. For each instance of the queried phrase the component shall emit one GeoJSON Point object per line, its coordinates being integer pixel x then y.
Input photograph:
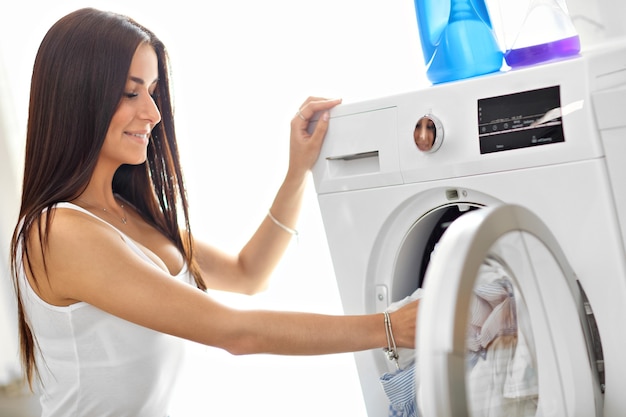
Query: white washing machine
{"type": "Point", "coordinates": [528, 167]}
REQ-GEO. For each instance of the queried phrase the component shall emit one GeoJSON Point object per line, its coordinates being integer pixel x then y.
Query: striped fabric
{"type": "Point", "coordinates": [400, 389]}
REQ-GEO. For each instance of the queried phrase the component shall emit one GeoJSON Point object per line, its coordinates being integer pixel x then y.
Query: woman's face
{"type": "Point", "coordinates": [128, 134]}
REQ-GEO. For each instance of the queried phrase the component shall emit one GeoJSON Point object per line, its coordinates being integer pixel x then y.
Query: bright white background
{"type": "Point", "coordinates": [241, 70]}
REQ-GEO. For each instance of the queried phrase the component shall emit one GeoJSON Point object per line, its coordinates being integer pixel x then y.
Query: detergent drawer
{"type": "Point", "coordinates": [360, 151]}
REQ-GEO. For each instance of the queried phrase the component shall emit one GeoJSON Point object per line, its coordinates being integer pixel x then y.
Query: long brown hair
{"type": "Point", "coordinates": [78, 80]}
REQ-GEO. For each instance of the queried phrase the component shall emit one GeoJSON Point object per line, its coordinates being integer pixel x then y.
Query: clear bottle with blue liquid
{"type": "Point", "coordinates": [458, 40]}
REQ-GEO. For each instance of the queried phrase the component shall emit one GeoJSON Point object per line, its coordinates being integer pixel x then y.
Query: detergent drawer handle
{"type": "Point", "coordinates": [352, 156]}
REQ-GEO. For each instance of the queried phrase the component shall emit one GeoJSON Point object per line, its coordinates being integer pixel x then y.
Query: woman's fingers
{"type": "Point", "coordinates": [313, 105]}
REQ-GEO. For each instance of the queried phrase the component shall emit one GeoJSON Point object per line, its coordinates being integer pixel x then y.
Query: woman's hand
{"type": "Point", "coordinates": [304, 148]}
{"type": "Point", "coordinates": [403, 322]}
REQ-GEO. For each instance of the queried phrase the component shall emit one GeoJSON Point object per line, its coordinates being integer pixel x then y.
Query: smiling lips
{"type": "Point", "coordinates": [142, 137]}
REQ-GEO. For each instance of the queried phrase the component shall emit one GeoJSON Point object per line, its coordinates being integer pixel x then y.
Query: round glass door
{"type": "Point", "coordinates": [502, 328]}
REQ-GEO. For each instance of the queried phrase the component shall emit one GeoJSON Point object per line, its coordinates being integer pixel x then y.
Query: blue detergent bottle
{"type": "Point", "coordinates": [546, 32]}
{"type": "Point", "coordinates": [457, 38]}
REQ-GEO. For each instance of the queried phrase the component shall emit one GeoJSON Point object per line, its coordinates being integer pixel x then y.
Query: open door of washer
{"type": "Point", "coordinates": [504, 328]}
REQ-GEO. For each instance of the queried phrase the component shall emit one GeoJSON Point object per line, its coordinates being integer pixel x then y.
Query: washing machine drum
{"type": "Point", "coordinates": [503, 329]}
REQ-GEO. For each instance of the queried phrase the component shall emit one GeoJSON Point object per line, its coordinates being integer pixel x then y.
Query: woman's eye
{"type": "Point", "coordinates": [130, 95]}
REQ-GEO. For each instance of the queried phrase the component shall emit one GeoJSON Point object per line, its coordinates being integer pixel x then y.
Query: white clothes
{"type": "Point", "coordinates": [501, 374]}
{"type": "Point", "coordinates": [490, 381]}
{"type": "Point", "coordinates": [502, 377]}
{"type": "Point", "coordinates": [93, 363]}
{"type": "Point", "coordinates": [406, 356]}
{"type": "Point", "coordinates": [492, 307]}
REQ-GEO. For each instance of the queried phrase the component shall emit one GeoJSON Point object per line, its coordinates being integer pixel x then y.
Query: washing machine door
{"type": "Point", "coordinates": [502, 328]}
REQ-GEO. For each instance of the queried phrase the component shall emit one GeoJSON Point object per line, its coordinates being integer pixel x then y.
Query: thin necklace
{"type": "Point", "coordinates": [124, 219]}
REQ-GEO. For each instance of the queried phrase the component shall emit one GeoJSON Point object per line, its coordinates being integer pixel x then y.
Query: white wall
{"type": "Point", "coordinates": [9, 187]}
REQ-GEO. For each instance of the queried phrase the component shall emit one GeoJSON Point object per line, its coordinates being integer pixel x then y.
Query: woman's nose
{"type": "Point", "coordinates": [150, 110]}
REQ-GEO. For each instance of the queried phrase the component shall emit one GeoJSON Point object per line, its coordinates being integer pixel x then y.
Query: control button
{"type": "Point", "coordinates": [428, 133]}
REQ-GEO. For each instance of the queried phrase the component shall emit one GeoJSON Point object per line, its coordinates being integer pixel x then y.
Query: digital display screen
{"type": "Point", "coordinates": [520, 120]}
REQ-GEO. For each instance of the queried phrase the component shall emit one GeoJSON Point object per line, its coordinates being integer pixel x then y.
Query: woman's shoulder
{"type": "Point", "coordinates": [62, 246]}
{"type": "Point", "coordinates": [72, 215]}
{"type": "Point", "coordinates": [68, 221]}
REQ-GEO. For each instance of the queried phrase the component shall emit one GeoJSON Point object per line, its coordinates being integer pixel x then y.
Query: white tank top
{"type": "Point", "coordinates": [95, 364]}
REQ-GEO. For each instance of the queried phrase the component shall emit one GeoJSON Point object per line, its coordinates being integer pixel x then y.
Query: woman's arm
{"type": "Point", "coordinates": [249, 271]}
{"type": "Point", "coordinates": [87, 261]}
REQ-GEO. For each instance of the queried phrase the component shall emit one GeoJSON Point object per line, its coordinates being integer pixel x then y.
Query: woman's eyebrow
{"type": "Point", "coordinates": [141, 81]}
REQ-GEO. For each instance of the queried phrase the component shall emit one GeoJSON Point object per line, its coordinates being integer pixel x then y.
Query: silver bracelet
{"type": "Point", "coordinates": [391, 349]}
{"type": "Point", "coordinates": [289, 230]}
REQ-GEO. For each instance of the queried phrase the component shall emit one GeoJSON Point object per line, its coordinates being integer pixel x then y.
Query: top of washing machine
{"type": "Point", "coordinates": [515, 119]}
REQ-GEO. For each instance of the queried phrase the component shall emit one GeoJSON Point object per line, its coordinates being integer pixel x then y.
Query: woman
{"type": "Point", "coordinates": [108, 282]}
